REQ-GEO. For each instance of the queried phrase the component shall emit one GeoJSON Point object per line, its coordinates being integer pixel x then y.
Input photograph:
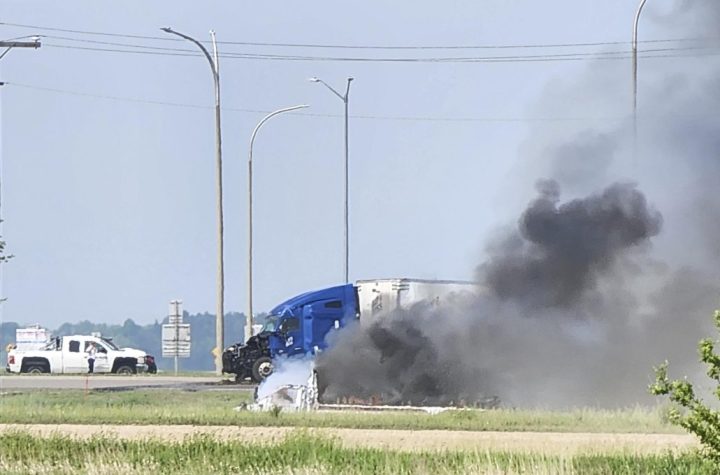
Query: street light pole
{"type": "Point", "coordinates": [345, 99]}
{"type": "Point", "coordinates": [249, 321]}
{"type": "Point", "coordinates": [220, 306]}
{"type": "Point", "coordinates": [635, 73]}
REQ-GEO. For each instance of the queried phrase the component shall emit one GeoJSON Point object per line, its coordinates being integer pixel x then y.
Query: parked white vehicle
{"type": "Point", "coordinates": [68, 354]}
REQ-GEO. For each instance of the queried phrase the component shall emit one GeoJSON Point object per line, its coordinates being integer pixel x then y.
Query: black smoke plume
{"type": "Point", "coordinates": [582, 296]}
{"type": "Point", "coordinates": [547, 270]}
{"type": "Point", "coordinates": [559, 251]}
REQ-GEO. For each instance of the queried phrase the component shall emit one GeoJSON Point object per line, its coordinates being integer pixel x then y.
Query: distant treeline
{"type": "Point", "coordinates": [147, 337]}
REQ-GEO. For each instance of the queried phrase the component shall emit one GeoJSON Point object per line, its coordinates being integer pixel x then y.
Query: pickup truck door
{"type": "Point", "coordinates": [74, 360]}
{"type": "Point", "coordinates": [102, 361]}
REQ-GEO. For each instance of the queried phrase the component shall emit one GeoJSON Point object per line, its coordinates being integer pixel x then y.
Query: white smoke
{"type": "Point", "coordinates": [287, 371]}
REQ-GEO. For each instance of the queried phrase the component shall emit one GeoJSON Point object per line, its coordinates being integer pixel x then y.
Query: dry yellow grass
{"type": "Point", "coordinates": [548, 443]}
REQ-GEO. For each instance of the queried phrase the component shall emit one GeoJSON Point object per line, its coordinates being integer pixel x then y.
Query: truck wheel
{"type": "Point", "coordinates": [261, 369]}
{"type": "Point", "coordinates": [124, 370]}
{"type": "Point", "coordinates": [35, 369]}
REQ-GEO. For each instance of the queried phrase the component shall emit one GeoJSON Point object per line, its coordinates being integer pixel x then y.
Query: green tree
{"type": "Point", "coordinates": [688, 409]}
{"type": "Point", "coordinates": [7, 332]}
{"type": "Point", "coordinates": [4, 257]}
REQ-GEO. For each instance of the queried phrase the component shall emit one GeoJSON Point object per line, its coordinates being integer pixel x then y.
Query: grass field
{"type": "Point", "coordinates": [163, 406]}
{"type": "Point", "coordinates": [307, 454]}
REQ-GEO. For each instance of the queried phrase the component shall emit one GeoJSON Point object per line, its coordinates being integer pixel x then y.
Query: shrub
{"type": "Point", "coordinates": [688, 409]}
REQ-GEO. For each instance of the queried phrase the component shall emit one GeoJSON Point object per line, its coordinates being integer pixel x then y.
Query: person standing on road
{"type": "Point", "coordinates": [91, 352]}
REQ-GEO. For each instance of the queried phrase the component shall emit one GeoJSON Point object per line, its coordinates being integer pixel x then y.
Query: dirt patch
{"type": "Point", "coordinates": [549, 443]}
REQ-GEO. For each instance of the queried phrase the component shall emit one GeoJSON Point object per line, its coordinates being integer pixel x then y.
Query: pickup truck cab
{"type": "Point", "coordinates": [68, 354]}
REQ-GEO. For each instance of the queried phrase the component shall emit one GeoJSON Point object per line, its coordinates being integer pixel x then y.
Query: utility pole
{"type": "Point", "coordinates": [14, 43]}
{"type": "Point", "coordinates": [9, 45]}
{"type": "Point", "coordinates": [220, 307]}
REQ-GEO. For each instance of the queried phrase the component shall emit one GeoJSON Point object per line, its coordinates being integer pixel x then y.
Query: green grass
{"type": "Point", "coordinates": [163, 406]}
{"type": "Point", "coordinates": [303, 453]}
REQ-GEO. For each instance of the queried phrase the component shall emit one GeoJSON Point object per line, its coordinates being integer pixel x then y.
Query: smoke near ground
{"type": "Point", "coordinates": [585, 292]}
{"type": "Point", "coordinates": [548, 324]}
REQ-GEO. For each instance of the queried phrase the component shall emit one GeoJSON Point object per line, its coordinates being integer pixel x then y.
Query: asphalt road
{"type": "Point", "coordinates": [112, 382]}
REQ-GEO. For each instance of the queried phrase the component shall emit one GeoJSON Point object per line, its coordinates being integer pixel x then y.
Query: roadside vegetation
{"type": "Point", "coordinates": [163, 406]}
{"type": "Point", "coordinates": [688, 409]}
{"type": "Point", "coordinates": [307, 454]}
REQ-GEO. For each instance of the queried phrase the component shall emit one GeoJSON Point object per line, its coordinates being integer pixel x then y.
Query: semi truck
{"type": "Point", "coordinates": [300, 326]}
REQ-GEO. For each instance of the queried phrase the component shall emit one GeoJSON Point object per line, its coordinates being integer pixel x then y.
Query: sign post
{"type": "Point", "coordinates": [176, 335]}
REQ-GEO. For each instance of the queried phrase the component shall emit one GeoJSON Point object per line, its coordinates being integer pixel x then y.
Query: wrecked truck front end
{"type": "Point", "coordinates": [294, 329]}
{"type": "Point", "coordinates": [250, 360]}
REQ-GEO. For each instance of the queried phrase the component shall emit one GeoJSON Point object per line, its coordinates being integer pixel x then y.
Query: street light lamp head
{"type": "Point", "coordinates": [350, 78]}
{"type": "Point", "coordinates": [313, 79]}
{"type": "Point", "coordinates": [34, 38]}
{"type": "Point", "coordinates": [166, 29]}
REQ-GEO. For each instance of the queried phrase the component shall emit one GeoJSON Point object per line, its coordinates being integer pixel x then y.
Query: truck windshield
{"type": "Point", "coordinates": [110, 344]}
{"type": "Point", "coordinates": [270, 323]}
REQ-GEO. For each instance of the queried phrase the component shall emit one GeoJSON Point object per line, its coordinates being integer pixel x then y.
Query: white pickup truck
{"type": "Point", "coordinates": [68, 354]}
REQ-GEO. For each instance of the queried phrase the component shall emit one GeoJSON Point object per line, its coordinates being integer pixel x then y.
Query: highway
{"type": "Point", "coordinates": [119, 383]}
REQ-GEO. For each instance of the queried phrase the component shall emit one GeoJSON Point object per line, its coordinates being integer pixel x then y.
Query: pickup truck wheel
{"type": "Point", "coordinates": [261, 369]}
{"type": "Point", "coordinates": [124, 370]}
{"type": "Point", "coordinates": [35, 369]}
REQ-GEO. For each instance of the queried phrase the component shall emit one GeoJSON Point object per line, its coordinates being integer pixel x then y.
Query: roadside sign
{"type": "Point", "coordinates": [176, 314]}
{"type": "Point", "coordinates": [176, 334]}
{"type": "Point", "coordinates": [176, 340]}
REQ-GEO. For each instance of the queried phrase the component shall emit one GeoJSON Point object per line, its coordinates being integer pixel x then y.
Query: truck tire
{"type": "Point", "coordinates": [261, 369]}
{"type": "Point", "coordinates": [124, 369]}
{"type": "Point", "coordinates": [35, 365]}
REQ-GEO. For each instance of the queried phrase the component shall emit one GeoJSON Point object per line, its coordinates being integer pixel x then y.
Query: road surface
{"type": "Point", "coordinates": [113, 382]}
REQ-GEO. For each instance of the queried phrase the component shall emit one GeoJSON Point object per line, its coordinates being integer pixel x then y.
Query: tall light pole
{"type": "Point", "coordinates": [220, 306]}
{"type": "Point", "coordinates": [249, 320]}
{"type": "Point", "coordinates": [635, 73]}
{"type": "Point", "coordinates": [343, 98]}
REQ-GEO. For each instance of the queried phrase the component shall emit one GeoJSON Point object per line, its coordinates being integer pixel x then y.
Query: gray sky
{"type": "Point", "coordinates": [109, 204]}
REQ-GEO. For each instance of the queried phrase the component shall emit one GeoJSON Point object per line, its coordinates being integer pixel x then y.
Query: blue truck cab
{"type": "Point", "coordinates": [297, 327]}
{"type": "Point", "coordinates": [301, 326]}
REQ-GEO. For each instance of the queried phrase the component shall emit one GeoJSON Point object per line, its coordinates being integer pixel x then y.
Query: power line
{"type": "Point", "coordinates": [309, 114]}
{"type": "Point", "coordinates": [364, 47]}
{"type": "Point", "coordinates": [607, 55]}
{"type": "Point", "coordinates": [180, 50]}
